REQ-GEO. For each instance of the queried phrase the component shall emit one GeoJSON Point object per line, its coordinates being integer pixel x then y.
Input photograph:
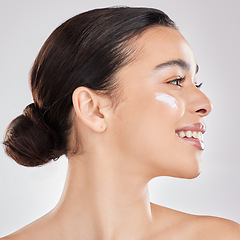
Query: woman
{"type": "Point", "coordinates": [115, 90]}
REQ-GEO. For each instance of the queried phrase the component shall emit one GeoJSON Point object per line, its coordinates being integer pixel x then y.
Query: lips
{"type": "Point", "coordinates": [192, 134]}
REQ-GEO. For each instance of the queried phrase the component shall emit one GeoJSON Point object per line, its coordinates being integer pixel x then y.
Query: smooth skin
{"type": "Point", "coordinates": [119, 150]}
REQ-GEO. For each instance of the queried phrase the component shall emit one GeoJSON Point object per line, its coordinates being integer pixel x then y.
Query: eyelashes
{"type": "Point", "coordinates": [198, 85]}
{"type": "Point", "coordinates": [178, 82]}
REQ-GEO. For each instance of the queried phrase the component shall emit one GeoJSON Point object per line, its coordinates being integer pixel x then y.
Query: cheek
{"type": "Point", "coordinates": [167, 99]}
{"type": "Point", "coordinates": [154, 138]}
{"type": "Point", "coordinates": [173, 107]}
{"type": "Point", "coordinates": [148, 124]}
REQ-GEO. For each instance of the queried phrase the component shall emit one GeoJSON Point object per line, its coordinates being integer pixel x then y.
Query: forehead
{"type": "Point", "coordinates": [161, 44]}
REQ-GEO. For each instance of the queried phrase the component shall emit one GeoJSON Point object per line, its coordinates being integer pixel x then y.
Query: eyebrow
{"type": "Point", "coordinates": [177, 62]}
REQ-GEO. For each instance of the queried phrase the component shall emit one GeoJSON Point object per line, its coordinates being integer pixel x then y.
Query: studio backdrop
{"type": "Point", "coordinates": [213, 30]}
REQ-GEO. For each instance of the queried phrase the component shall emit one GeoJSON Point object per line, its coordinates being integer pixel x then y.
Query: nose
{"type": "Point", "coordinates": [199, 103]}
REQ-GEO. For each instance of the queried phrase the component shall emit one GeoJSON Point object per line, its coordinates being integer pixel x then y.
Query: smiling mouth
{"type": "Point", "coordinates": [193, 135]}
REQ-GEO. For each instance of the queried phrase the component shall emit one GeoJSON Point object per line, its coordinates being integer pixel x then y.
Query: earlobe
{"type": "Point", "coordinates": [87, 106]}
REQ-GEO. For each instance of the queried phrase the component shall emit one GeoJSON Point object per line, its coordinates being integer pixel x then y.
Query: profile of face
{"type": "Point", "coordinates": [159, 97]}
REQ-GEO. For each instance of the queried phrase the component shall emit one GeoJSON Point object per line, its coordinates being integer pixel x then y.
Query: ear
{"type": "Point", "coordinates": [89, 108]}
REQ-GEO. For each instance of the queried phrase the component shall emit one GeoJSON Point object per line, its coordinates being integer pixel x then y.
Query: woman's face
{"type": "Point", "coordinates": [160, 98]}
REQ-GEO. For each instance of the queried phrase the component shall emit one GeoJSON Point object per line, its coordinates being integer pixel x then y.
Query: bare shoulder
{"type": "Point", "coordinates": [188, 226]}
{"type": "Point", "coordinates": [28, 232]}
{"type": "Point", "coordinates": [8, 238]}
{"type": "Point", "coordinates": [37, 230]}
{"type": "Point", "coordinates": [219, 228]}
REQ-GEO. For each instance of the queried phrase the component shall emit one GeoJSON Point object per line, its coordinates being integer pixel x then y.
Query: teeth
{"type": "Point", "coordinates": [189, 134]}
{"type": "Point", "coordinates": [200, 136]}
{"type": "Point", "coordinates": [195, 134]}
{"type": "Point", "coordinates": [182, 134]}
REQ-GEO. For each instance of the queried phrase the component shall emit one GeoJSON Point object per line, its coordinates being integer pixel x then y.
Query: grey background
{"type": "Point", "coordinates": [212, 29]}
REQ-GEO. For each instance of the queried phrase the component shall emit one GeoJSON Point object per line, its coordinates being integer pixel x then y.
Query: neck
{"type": "Point", "coordinates": [102, 200]}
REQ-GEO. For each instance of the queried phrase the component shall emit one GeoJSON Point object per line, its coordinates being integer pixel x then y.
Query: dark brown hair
{"type": "Point", "coordinates": [87, 50]}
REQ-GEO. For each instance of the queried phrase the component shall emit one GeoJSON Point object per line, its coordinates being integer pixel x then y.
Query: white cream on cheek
{"type": "Point", "coordinates": [167, 99]}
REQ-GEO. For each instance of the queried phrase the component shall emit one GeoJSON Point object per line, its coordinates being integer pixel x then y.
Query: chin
{"type": "Point", "coordinates": [192, 175]}
{"type": "Point", "coordinates": [191, 172]}
{"type": "Point", "coordinates": [193, 167]}
{"type": "Point", "coordinates": [187, 166]}
{"type": "Point", "coordinates": [190, 169]}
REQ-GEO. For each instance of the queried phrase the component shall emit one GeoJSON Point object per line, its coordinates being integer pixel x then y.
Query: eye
{"type": "Point", "coordinates": [177, 81]}
{"type": "Point", "coordinates": [198, 85]}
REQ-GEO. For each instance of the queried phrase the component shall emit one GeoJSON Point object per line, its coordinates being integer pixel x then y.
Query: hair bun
{"type": "Point", "coordinates": [29, 141]}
